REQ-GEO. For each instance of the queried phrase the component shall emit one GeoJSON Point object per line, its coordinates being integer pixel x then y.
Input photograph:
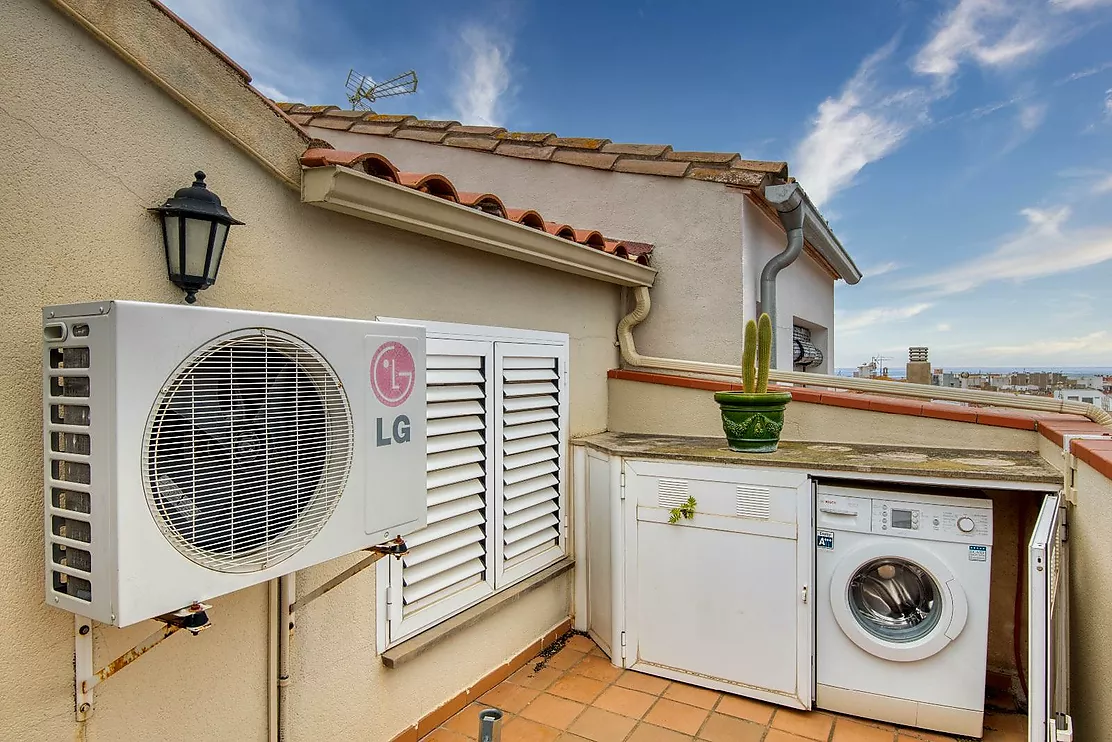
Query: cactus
{"type": "Point", "coordinates": [764, 352]}
{"type": "Point", "coordinates": [749, 358]}
{"type": "Point", "coordinates": [756, 355]}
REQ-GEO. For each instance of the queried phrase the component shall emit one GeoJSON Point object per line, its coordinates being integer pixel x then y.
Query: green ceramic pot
{"type": "Point", "coordinates": [752, 422]}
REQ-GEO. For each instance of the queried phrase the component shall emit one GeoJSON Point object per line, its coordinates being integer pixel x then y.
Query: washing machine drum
{"type": "Point", "coordinates": [897, 601]}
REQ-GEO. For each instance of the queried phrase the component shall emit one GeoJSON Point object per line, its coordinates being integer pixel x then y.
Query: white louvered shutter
{"type": "Point", "coordinates": [448, 566]}
{"type": "Point", "coordinates": [530, 445]}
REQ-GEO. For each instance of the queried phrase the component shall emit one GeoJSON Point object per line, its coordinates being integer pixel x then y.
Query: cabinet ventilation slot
{"type": "Point", "coordinates": [752, 502]}
{"type": "Point", "coordinates": [671, 493]}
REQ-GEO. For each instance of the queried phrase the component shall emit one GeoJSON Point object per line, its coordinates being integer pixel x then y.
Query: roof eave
{"type": "Point", "coordinates": [351, 192]}
{"type": "Point", "coordinates": [819, 234]}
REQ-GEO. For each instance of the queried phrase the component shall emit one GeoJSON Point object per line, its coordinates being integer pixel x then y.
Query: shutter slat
{"type": "Point", "coordinates": [529, 416]}
{"type": "Point", "coordinates": [424, 588]}
{"type": "Point", "coordinates": [530, 499]}
{"type": "Point", "coordinates": [452, 458]}
{"type": "Point", "coordinates": [453, 393]}
{"type": "Point", "coordinates": [513, 535]}
{"type": "Point", "coordinates": [516, 362]}
{"type": "Point", "coordinates": [449, 425]}
{"type": "Point", "coordinates": [421, 554]}
{"type": "Point", "coordinates": [530, 429]}
{"type": "Point", "coordinates": [526, 486]}
{"type": "Point", "coordinates": [417, 605]}
{"type": "Point", "coordinates": [529, 374]}
{"type": "Point", "coordinates": [529, 389]}
{"type": "Point", "coordinates": [454, 492]}
{"type": "Point", "coordinates": [513, 520]}
{"type": "Point", "coordinates": [454, 441]}
{"type": "Point", "coordinates": [530, 443]}
{"type": "Point", "coordinates": [518, 460]}
{"type": "Point", "coordinates": [439, 410]}
{"type": "Point", "coordinates": [456, 474]}
{"type": "Point", "coordinates": [444, 528]}
{"type": "Point", "coordinates": [437, 361]}
{"type": "Point", "coordinates": [452, 508]}
{"type": "Point", "coordinates": [528, 472]}
{"type": "Point", "coordinates": [443, 563]}
{"type": "Point", "coordinates": [514, 550]}
{"type": "Point", "coordinates": [516, 404]}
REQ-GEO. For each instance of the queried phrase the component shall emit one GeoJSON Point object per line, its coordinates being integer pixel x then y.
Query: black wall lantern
{"type": "Point", "coordinates": [194, 230]}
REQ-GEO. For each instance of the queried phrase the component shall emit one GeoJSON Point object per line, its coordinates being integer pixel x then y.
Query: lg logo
{"type": "Point", "coordinates": [393, 374]}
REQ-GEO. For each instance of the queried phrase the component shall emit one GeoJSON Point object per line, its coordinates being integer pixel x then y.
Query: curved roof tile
{"type": "Point", "coordinates": [438, 185]}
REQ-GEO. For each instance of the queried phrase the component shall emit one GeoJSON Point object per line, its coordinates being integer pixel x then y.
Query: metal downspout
{"type": "Point", "coordinates": [788, 202]}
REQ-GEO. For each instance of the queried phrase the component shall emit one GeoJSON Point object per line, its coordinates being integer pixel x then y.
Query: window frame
{"type": "Point", "coordinates": [388, 571]}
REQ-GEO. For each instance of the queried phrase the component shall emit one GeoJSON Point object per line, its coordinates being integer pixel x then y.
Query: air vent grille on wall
{"type": "Point", "coordinates": [671, 493]}
{"type": "Point", "coordinates": [753, 502]}
{"type": "Point", "coordinates": [70, 472]}
{"type": "Point", "coordinates": [247, 451]}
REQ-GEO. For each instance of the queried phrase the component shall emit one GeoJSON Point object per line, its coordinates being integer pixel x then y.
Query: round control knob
{"type": "Point", "coordinates": [966, 524]}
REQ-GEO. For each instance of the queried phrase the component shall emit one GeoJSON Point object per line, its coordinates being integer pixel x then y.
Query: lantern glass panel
{"type": "Point", "coordinates": [196, 245]}
{"type": "Point", "coordinates": [217, 249]}
{"type": "Point", "coordinates": [173, 247]}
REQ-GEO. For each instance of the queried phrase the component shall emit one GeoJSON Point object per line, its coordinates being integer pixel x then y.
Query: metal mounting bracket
{"type": "Point", "coordinates": [395, 548]}
{"type": "Point", "coordinates": [1069, 470]}
{"type": "Point", "coordinates": [193, 619]}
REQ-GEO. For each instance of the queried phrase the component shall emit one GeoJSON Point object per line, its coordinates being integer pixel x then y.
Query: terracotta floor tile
{"type": "Point", "coordinates": [922, 735]}
{"type": "Point", "coordinates": [721, 728]}
{"type": "Point", "coordinates": [809, 724]}
{"type": "Point", "coordinates": [537, 680]}
{"type": "Point", "coordinates": [569, 737]}
{"type": "Point", "coordinates": [631, 703]}
{"type": "Point", "coordinates": [993, 735]}
{"type": "Point", "coordinates": [597, 651]}
{"type": "Point", "coordinates": [1006, 722]}
{"type": "Point", "coordinates": [642, 682]}
{"type": "Point", "coordinates": [577, 688]}
{"type": "Point", "coordinates": [677, 716]}
{"type": "Point", "coordinates": [581, 643]}
{"type": "Point", "coordinates": [524, 730]}
{"type": "Point", "coordinates": [565, 658]}
{"type": "Point", "coordinates": [851, 730]}
{"type": "Point", "coordinates": [466, 722]}
{"type": "Point", "coordinates": [598, 668]}
{"type": "Point", "coordinates": [649, 733]}
{"type": "Point", "coordinates": [692, 696]}
{"type": "Point", "coordinates": [778, 735]}
{"type": "Point", "coordinates": [553, 711]}
{"type": "Point", "coordinates": [602, 726]}
{"type": "Point", "coordinates": [443, 735]}
{"type": "Point", "coordinates": [509, 697]}
{"type": "Point", "coordinates": [745, 708]}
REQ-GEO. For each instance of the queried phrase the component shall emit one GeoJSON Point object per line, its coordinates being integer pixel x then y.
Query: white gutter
{"type": "Point", "coordinates": [358, 194]}
{"type": "Point", "coordinates": [875, 386]}
{"type": "Point", "coordinates": [816, 231]}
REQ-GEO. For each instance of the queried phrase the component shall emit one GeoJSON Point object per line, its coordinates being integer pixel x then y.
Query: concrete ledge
{"type": "Point", "coordinates": [411, 648]}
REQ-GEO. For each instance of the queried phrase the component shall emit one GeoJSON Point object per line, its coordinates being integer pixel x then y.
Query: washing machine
{"type": "Point", "coordinates": [902, 596]}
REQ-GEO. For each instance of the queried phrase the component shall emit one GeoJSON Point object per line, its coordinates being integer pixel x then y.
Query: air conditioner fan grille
{"type": "Point", "coordinates": [247, 451]}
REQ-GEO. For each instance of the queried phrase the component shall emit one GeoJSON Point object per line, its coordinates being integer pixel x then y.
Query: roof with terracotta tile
{"type": "Point", "coordinates": [601, 154]}
{"type": "Point", "coordinates": [435, 184]}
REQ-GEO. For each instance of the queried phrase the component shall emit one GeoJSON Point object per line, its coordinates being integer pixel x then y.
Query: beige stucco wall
{"type": "Point", "coordinates": [698, 228]}
{"type": "Point", "coordinates": [91, 145]}
{"type": "Point", "coordinates": [637, 407]}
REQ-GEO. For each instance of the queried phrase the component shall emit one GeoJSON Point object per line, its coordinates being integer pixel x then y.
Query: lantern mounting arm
{"type": "Point", "coordinates": [193, 619]}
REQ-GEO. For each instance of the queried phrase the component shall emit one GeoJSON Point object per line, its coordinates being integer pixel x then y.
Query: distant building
{"type": "Point", "coordinates": [1089, 396]}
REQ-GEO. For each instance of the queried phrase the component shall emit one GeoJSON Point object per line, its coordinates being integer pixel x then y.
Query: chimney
{"type": "Point", "coordinates": [918, 367]}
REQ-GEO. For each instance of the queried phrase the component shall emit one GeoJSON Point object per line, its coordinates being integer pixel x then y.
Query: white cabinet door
{"type": "Point", "coordinates": [721, 600]}
{"type": "Point", "coordinates": [1048, 717]}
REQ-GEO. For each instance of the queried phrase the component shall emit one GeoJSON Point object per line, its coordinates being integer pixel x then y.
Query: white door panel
{"type": "Point", "coordinates": [1048, 626]}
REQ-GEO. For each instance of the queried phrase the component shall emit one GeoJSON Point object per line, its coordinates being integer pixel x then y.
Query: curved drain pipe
{"type": "Point", "coordinates": [788, 202]}
{"type": "Point", "coordinates": [892, 388]}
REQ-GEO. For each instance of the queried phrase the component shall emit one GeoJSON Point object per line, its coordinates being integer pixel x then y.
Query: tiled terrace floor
{"type": "Point", "coordinates": [578, 696]}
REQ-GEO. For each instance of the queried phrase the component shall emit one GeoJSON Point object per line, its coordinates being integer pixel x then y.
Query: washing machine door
{"type": "Point", "coordinates": [897, 600]}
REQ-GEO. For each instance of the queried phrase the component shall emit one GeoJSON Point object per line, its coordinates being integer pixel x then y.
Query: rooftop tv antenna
{"type": "Point", "coordinates": [363, 90]}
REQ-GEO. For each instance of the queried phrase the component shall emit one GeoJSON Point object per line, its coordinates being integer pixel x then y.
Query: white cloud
{"type": "Point", "coordinates": [1046, 246]}
{"type": "Point", "coordinates": [867, 318]}
{"type": "Point", "coordinates": [992, 33]}
{"type": "Point", "coordinates": [484, 77]}
{"type": "Point", "coordinates": [861, 125]}
{"type": "Point", "coordinates": [880, 269]}
{"type": "Point", "coordinates": [943, 327]}
{"type": "Point", "coordinates": [1094, 345]}
{"type": "Point", "coordinates": [1031, 117]}
{"type": "Point", "coordinates": [1104, 185]}
{"type": "Point", "coordinates": [1108, 103]}
{"type": "Point", "coordinates": [1082, 74]}
{"type": "Point", "coordinates": [1078, 4]}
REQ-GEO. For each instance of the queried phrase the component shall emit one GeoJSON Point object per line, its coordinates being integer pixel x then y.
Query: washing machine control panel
{"type": "Point", "coordinates": [924, 520]}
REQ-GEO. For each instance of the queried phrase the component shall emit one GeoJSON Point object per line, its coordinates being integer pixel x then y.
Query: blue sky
{"type": "Point", "coordinates": [961, 149]}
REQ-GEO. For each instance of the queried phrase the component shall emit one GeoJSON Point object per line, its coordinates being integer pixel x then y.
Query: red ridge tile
{"type": "Point", "coordinates": [528, 217]}
{"type": "Point", "coordinates": [433, 184]}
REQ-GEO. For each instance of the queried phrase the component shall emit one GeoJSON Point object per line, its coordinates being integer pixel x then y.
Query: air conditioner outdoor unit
{"type": "Point", "coordinates": [192, 452]}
